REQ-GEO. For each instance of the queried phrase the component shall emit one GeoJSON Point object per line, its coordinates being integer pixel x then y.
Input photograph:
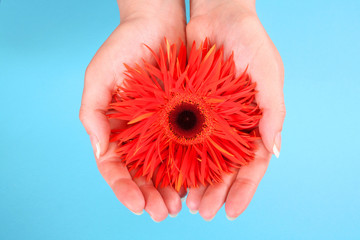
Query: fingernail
{"type": "Point", "coordinates": [230, 218]}
{"type": "Point", "coordinates": [138, 213]}
{"type": "Point", "coordinates": [193, 211]}
{"type": "Point", "coordinates": [208, 220]}
{"type": "Point", "coordinates": [96, 146]}
{"type": "Point", "coordinates": [183, 199]}
{"type": "Point", "coordinates": [172, 215]}
{"type": "Point", "coordinates": [155, 220]}
{"type": "Point", "coordinates": [277, 145]}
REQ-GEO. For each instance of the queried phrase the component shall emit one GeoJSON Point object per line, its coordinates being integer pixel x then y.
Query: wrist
{"type": "Point", "coordinates": [203, 7]}
{"type": "Point", "coordinates": [167, 10]}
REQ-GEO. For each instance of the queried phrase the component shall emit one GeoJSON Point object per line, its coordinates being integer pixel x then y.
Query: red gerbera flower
{"type": "Point", "coordinates": [189, 121]}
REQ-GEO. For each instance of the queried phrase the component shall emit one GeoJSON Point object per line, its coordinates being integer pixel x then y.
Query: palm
{"type": "Point", "coordinates": [243, 34]}
{"type": "Point", "coordinates": [126, 45]}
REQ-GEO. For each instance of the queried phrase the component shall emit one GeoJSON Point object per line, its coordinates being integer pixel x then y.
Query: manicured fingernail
{"type": "Point", "coordinates": [193, 211]}
{"type": "Point", "coordinates": [155, 220]}
{"type": "Point", "coordinates": [96, 146]}
{"type": "Point", "coordinates": [138, 213]}
{"type": "Point", "coordinates": [208, 220]}
{"type": "Point", "coordinates": [230, 218]}
{"type": "Point", "coordinates": [277, 145]}
{"type": "Point", "coordinates": [172, 215]}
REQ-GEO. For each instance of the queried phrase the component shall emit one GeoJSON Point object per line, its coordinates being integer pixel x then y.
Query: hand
{"type": "Point", "coordinates": [141, 22]}
{"type": "Point", "coordinates": [235, 25]}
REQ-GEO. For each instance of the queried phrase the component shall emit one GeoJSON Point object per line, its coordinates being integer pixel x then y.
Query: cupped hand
{"type": "Point", "coordinates": [141, 22]}
{"type": "Point", "coordinates": [235, 25]}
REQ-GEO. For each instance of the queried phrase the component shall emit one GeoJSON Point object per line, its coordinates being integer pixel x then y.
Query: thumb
{"type": "Point", "coordinates": [271, 124]}
{"type": "Point", "coordinates": [95, 101]}
{"type": "Point", "coordinates": [271, 99]}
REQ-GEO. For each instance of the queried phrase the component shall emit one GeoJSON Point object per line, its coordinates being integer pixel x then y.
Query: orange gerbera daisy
{"type": "Point", "coordinates": [189, 120]}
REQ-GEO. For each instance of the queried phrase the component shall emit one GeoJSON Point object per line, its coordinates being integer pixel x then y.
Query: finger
{"type": "Point", "coordinates": [172, 200]}
{"type": "Point", "coordinates": [270, 125]}
{"type": "Point", "coordinates": [194, 198]}
{"type": "Point", "coordinates": [246, 182]}
{"type": "Point", "coordinates": [269, 76]}
{"type": "Point", "coordinates": [170, 196]}
{"type": "Point", "coordinates": [96, 97]}
{"type": "Point", "coordinates": [154, 203]}
{"type": "Point", "coordinates": [119, 179]}
{"type": "Point", "coordinates": [214, 197]}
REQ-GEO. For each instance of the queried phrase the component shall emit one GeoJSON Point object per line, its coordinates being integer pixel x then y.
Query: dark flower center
{"type": "Point", "coordinates": [186, 120]}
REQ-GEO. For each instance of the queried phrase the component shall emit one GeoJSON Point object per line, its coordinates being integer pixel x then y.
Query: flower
{"type": "Point", "coordinates": [189, 121]}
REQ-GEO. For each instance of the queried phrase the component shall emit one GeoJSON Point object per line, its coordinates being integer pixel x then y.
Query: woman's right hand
{"type": "Point", "coordinates": [141, 22]}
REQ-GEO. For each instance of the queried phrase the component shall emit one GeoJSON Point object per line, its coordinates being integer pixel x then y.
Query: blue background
{"type": "Point", "coordinates": [50, 187]}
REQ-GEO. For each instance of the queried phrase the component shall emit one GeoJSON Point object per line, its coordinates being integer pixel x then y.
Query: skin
{"type": "Point", "coordinates": [243, 34]}
{"type": "Point", "coordinates": [141, 22]}
{"type": "Point", "coordinates": [148, 22]}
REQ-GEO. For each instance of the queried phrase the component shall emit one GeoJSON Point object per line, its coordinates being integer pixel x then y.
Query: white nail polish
{"type": "Point", "coordinates": [276, 151]}
{"type": "Point", "coordinates": [138, 213]}
{"type": "Point", "coordinates": [193, 211]}
{"type": "Point", "coordinates": [172, 215]}
{"type": "Point", "coordinates": [230, 218]}
{"type": "Point", "coordinates": [98, 150]}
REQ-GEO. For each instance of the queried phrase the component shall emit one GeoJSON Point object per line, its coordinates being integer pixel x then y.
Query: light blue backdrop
{"type": "Point", "coordinates": [50, 187]}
